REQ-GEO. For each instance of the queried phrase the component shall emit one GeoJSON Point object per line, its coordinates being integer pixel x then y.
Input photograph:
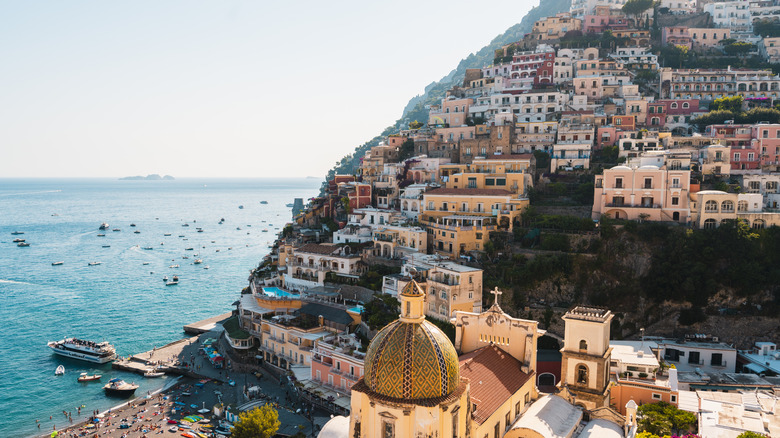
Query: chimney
{"type": "Point", "coordinates": [673, 379]}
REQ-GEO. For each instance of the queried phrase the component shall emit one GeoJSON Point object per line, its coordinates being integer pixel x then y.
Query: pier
{"type": "Point", "coordinates": [200, 327]}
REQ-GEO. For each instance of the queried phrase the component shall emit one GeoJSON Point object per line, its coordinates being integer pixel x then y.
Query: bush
{"type": "Point", "coordinates": [556, 242]}
{"type": "Point", "coordinates": [691, 316]}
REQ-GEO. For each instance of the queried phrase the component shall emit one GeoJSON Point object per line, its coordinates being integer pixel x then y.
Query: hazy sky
{"type": "Point", "coordinates": [219, 88]}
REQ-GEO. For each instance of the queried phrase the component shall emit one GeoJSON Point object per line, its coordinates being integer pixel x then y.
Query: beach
{"type": "Point", "coordinates": [195, 392]}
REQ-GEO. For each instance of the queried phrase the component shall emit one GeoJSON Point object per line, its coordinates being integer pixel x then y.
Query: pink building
{"type": "Point", "coordinates": [336, 364]}
{"type": "Point", "coordinates": [538, 65]}
{"type": "Point", "coordinates": [644, 191]}
{"type": "Point", "coordinates": [766, 139]}
{"type": "Point", "coordinates": [745, 154]}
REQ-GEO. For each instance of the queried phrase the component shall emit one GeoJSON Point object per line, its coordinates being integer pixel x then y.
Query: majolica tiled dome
{"type": "Point", "coordinates": [411, 360]}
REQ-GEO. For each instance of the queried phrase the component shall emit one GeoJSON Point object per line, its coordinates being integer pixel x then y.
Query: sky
{"type": "Point", "coordinates": [219, 88]}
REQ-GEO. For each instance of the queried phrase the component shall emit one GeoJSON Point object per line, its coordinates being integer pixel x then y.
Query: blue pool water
{"type": "Point", "coordinates": [356, 309]}
{"type": "Point", "coordinates": [278, 293]}
{"type": "Point", "coordinates": [123, 300]}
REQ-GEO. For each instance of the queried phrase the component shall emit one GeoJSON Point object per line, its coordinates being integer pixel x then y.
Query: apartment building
{"type": "Point", "coordinates": [555, 27]}
{"type": "Point", "coordinates": [460, 220]}
{"type": "Point", "coordinates": [711, 84]}
{"type": "Point", "coordinates": [767, 184]}
{"type": "Point", "coordinates": [711, 208]}
{"type": "Point", "coordinates": [573, 146]}
{"type": "Point", "coordinates": [765, 138]}
{"type": "Point", "coordinates": [309, 264]}
{"type": "Point", "coordinates": [692, 354]}
{"type": "Point", "coordinates": [395, 241]}
{"type": "Point", "coordinates": [644, 192]}
{"type": "Point", "coordinates": [734, 14]}
{"type": "Point", "coordinates": [745, 154]}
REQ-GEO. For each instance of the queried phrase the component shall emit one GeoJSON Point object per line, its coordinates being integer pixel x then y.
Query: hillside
{"type": "Point", "coordinates": [415, 108]}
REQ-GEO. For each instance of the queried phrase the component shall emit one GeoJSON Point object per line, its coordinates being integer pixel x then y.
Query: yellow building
{"type": "Point", "coordinates": [460, 220]}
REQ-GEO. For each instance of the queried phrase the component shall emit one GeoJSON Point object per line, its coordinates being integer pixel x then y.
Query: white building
{"type": "Point", "coordinates": [733, 14]}
{"type": "Point", "coordinates": [763, 358]}
{"type": "Point", "coordinates": [635, 357]}
{"type": "Point", "coordinates": [713, 356]}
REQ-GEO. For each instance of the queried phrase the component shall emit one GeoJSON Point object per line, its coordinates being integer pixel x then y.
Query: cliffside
{"type": "Point", "coordinates": [671, 281]}
{"type": "Point", "coordinates": [415, 108]}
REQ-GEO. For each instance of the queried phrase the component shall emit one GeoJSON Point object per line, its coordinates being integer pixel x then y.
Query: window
{"type": "Point", "coordinates": [648, 183]}
{"type": "Point", "coordinates": [455, 424]}
{"type": "Point", "coordinates": [656, 396]}
{"type": "Point", "coordinates": [693, 358]}
{"type": "Point", "coordinates": [618, 183]}
{"type": "Point", "coordinates": [507, 420]}
{"type": "Point", "coordinates": [617, 201]}
{"type": "Point", "coordinates": [711, 206]}
{"type": "Point", "coordinates": [717, 360]}
{"type": "Point", "coordinates": [388, 429]}
{"type": "Point", "coordinates": [672, 354]}
{"type": "Point", "coordinates": [583, 345]}
{"type": "Point", "coordinates": [710, 224]}
{"type": "Point", "coordinates": [582, 374]}
{"type": "Point", "coordinates": [675, 200]}
{"type": "Point", "coordinates": [742, 206]}
{"type": "Point", "coordinates": [497, 430]}
{"type": "Point", "coordinates": [673, 398]}
{"type": "Point", "coordinates": [517, 409]}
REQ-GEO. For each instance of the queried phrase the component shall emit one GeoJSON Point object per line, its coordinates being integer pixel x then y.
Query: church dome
{"type": "Point", "coordinates": [411, 360]}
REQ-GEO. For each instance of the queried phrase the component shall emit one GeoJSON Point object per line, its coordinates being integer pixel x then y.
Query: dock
{"type": "Point", "coordinates": [200, 327]}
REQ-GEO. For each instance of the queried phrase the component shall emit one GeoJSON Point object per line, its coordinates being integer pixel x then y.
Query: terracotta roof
{"type": "Point", "coordinates": [315, 248]}
{"type": "Point", "coordinates": [470, 192]}
{"type": "Point", "coordinates": [495, 376]}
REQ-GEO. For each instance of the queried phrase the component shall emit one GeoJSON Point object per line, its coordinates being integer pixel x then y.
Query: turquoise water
{"type": "Point", "coordinates": [356, 309]}
{"type": "Point", "coordinates": [276, 292]}
{"type": "Point", "coordinates": [122, 300]}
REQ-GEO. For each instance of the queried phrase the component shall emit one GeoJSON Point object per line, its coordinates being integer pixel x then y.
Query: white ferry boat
{"type": "Point", "coordinates": [97, 352]}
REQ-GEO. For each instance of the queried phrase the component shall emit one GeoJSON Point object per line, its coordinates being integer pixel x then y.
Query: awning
{"type": "Point", "coordinates": [756, 368]}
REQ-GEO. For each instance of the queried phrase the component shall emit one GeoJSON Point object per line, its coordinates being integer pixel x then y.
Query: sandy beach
{"type": "Point", "coordinates": [203, 386]}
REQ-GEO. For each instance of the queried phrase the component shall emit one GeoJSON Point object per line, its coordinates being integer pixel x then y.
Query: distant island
{"type": "Point", "coordinates": [152, 177]}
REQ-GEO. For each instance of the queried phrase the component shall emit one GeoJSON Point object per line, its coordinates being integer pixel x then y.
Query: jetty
{"type": "Point", "coordinates": [207, 325]}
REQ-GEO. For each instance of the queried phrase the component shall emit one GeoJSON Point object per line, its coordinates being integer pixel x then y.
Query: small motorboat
{"type": "Point", "coordinates": [57, 263]}
{"type": "Point", "coordinates": [197, 262]}
{"type": "Point", "coordinates": [175, 278]}
{"type": "Point", "coordinates": [146, 263]}
{"type": "Point", "coordinates": [101, 235]}
{"type": "Point", "coordinates": [153, 373]}
{"type": "Point", "coordinates": [240, 207]}
{"type": "Point", "coordinates": [189, 249]}
{"type": "Point", "coordinates": [148, 248]}
{"type": "Point", "coordinates": [106, 246]}
{"type": "Point", "coordinates": [264, 202]}
{"type": "Point", "coordinates": [17, 233]}
{"type": "Point", "coordinates": [116, 229]}
{"type": "Point", "coordinates": [200, 231]}
{"type": "Point", "coordinates": [172, 283]}
{"type": "Point", "coordinates": [22, 244]}
{"type": "Point", "coordinates": [132, 225]}
{"type": "Point", "coordinates": [173, 266]}
{"type": "Point", "coordinates": [165, 278]}
{"type": "Point", "coordinates": [181, 235]}
{"type": "Point", "coordinates": [84, 377]}
{"type": "Point", "coordinates": [206, 267]}
{"type": "Point", "coordinates": [167, 234]}
{"type": "Point", "coordinates": [103, 226]}
{"type": "Point", "coordinates": [185, 225]}
{"type": "Point", "coordinates": [238, 228]}
{"type": "Point", "coordinates": [94, 263]}
{"type": "Point", "coordinates": [59, 371]}
{"type": "Point", "coordinates": [17, 240]}
{"type": "Point", "coordinates": [119, 387]}
{"type": "Point", "coordinates": [137, 232]}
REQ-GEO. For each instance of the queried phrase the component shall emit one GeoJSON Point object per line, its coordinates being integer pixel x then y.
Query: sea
{"type": "Point", "coordinates": [124, 299]}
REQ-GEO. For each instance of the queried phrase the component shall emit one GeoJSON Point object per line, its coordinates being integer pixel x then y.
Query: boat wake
{"type": "Point", "coordinates": [2, 281]}
{"type": "Point", "coordinates": [30, 193]}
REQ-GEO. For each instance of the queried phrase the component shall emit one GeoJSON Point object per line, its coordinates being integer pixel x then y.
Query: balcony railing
{"type": "Point", "coordinates": [634, 206]}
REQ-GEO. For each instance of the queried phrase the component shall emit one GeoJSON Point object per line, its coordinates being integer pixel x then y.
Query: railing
{"type": "Point", "coordinates": [633, 206]}
{"type": "Point", "coordinates": [722, 364]}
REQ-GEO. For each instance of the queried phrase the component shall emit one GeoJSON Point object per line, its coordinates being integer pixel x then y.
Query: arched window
{"type": "Point", "coordinates": [583, 345]}
{"type": "Point", "coordinates": [742, 205]}
{"type": "Point", "coordinates": [685, 105]}
{"type": "Point", "coordinates": [674, 105]}
{"type": "Point", "coordinates": [758, 224]}
{"type": "Point", "coordinates": [710, 224]}
{"type": "Point", "coordinates": [711, 206]}
{"type": "Point", "coordinates": [582, 374]}
{"type": "Point", "coordinates": [727, 206]}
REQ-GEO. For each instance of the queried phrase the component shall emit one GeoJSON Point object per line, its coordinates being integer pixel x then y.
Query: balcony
{"type": "Point", "coordinates": [633, 206]}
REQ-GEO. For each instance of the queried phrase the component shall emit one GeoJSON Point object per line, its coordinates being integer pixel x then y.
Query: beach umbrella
{"type": "Point", "coordinates": [55, 433]}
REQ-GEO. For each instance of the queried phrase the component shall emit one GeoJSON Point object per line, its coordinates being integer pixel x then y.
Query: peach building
{"type": "Point", "coordinates": [644, 192]}
{"type": "Point", "coordinates": [336, 365]}
{"type": "Point", "coordinates": [555, 27]}
{"type": "Point", "coordinates": [452, 112]}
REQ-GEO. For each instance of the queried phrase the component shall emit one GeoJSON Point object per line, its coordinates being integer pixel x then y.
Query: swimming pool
{"type": "Point", "coordinates": [356, 309]}
{"type": "Point", "coordinates": [278, 293]}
